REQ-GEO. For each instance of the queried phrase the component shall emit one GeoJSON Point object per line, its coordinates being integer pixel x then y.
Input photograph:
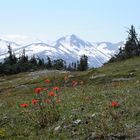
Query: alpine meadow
{"type": "Point", "coordinates": [85, 85]}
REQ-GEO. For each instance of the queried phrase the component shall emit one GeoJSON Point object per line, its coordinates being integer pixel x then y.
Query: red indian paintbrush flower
{"type": "Point", "coordinates": [24, 105]}
{"type": "Point", "coordinates": [115, 104]}
{"type": "Point", "coordinates": [47, 81]}
{"type": "Point", "coordinates": [51, 93]}
{"type": "Point", "coordinates": [56, 88]}
{"type": "Point", "coordinates": [34, 101]}
{"type": "Point", "coordinates": [38, 90]}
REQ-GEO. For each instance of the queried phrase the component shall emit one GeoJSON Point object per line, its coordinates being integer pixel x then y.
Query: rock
{"type": "Point", "coordinates": [128, 91]}
{"type": "Point", "coordinates": [78, 121]}
{"type": "Point", "coordinates": [70, 76]}
{"type": "Point", "coordinates": [57, 128]}
{"type": "Point", "coordinates": [93, 115]}
{"type": "Point", "coordinates": [131, 74]}
{"type": "Point", "coordinates": [97, 76]}
{"type": "Point", "coordinates": [121, 79]}
{"type": "Point", "coordinates": [21, 86]}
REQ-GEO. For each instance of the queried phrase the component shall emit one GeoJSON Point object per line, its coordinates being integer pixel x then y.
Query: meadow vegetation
{"type": "Point", "coordinates": [101, 103]}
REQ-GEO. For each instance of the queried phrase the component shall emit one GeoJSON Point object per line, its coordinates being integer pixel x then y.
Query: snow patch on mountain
{"type": "Point", "coordinates": [69, 48]}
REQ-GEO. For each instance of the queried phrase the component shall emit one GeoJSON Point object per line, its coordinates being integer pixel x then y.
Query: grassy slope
{"type": "Point", "coordinates": [89, 103]}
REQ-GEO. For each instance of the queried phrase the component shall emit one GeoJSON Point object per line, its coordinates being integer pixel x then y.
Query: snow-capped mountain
{"type": "Point", "coordinates": [69, 48]}
{"type": "Point", "coordinates": [5, 43]}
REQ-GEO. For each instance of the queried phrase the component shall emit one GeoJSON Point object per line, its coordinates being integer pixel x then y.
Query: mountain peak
{"type": "Point", "coordinates": [73, 40]}
{"type": "Point", "coordinates": [73, 36]}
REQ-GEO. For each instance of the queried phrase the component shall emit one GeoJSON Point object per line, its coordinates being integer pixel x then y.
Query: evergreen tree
{"type": "Point", "coordinates": [11, 60]}
{"type": "Point", "coordinates": [59, 64]}
{"type": "Point", "coordinates": [75, 66]}
{"type": "Point", "coordinates": [49, 63]}
{"type": "Point", "coordinates": [83, 65]}
{"type": "Point", "coordinates": [10, 51]}
{"type": "Point", "coordinates": [131, 46]}
{"type": "Point", "coordinates": [1, 68]}
{"type": "Point", "coordinates": [40, 62]}
{"type": "Point", "coordinates": [14, 59]}
{"type": "Point", "coordinates": [23, 58]}
{"type": "Point", "coordinates": [33, 60]}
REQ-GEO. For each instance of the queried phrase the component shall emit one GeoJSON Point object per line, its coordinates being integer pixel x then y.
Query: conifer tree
{"type": "Point", "coordinates": [59, 64]}
{"type": "Point", "coordinates": [49, 63]}
{"type": "Point", "coordinates": [23, 58]}
{"type": "Point", "coordinates": [33, 60]}
{"type": "Point", "coordinates": [40, 62]}
{"type": "Point", "coordinates": [131, 46]}
{"type": "Point", "coordinates": [11, 60]}
{"type": "Point", "coordinates": [83, 65]}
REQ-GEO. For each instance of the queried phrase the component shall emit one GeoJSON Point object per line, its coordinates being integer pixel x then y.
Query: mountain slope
{"type": "Point", "coordinates": [69, 48]}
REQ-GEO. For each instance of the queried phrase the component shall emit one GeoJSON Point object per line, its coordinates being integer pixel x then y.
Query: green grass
{"type": "Point", "coordinates": [89, 103]}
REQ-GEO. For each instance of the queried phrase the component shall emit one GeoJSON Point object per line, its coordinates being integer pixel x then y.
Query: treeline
{"type": "Point", "coordinates": [131, 47]}
{"type": "Point", "coordinates": [14, 65]}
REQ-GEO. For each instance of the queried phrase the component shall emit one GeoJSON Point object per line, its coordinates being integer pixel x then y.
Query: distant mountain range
{"type": "Point", "coordinates": [69, 48]}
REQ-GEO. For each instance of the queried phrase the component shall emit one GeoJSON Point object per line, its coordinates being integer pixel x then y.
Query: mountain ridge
{"type": "Point", "coordinates": [69, 48]}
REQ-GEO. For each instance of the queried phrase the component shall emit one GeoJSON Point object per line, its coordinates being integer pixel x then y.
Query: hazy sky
{"type": "Point", "coordinates": [92, 20]}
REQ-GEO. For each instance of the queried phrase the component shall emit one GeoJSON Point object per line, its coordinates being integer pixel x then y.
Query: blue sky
{"type": "Point", "coordinates": [92, 20]}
